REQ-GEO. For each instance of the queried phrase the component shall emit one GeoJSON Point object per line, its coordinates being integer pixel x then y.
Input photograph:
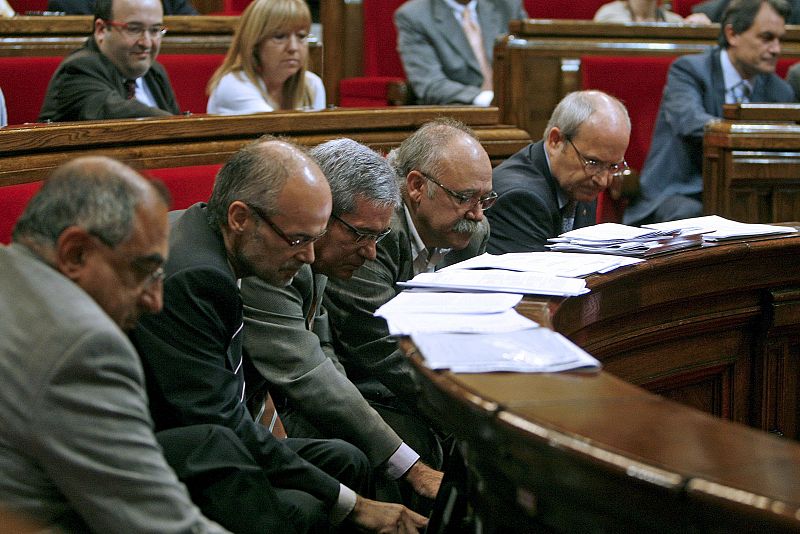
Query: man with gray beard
{"type": "Point", "coordinates": [445, 179]}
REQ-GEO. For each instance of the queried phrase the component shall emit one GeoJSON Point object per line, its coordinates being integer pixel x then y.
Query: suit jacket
{"type": "Point", "coordinates": [300, 363]}
{"type": "Point", "coordinates": [192, 355]}
{"type": "Point", "coordinates": [86, 7]}
{"type": "Point", "coordinates": [693, 96]}
{"type": "Point", "coordinates": [77, 450]}
{"type": "Point", "coordinates": [437, 58]}
{"type": "Point", "coordinates": [87, 86]}
{"type": "Point", "coordinates": [715, 8]}
{"type": "Point", "coordinates": [527, 211]}
{"type": "Point", "coordinates": [369, 354]}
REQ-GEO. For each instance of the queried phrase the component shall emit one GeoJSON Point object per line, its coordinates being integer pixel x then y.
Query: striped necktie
{"type": "Point", "coordinates": [475, 38]}
{"type": "Point", "coordinates": [130, 89]}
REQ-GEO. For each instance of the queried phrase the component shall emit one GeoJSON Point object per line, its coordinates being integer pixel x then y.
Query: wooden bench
{"type": "Point", "coordinates": [187, 151]}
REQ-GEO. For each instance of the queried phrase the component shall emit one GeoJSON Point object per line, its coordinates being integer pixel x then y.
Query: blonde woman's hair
{"type": "Point", "coordinates": [260, 20]}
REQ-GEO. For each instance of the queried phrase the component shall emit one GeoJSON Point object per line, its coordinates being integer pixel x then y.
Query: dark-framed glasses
{"type": "Point", "coordinates": [466, 199]}
{"type": "Point", "coordinates": [361, 235]}
{"type": "Point", "coordinates": [135, 30]}
{"type": "Point", "coordinates": [292, 241]}
{"type": "Point", "coordinates": [593, 167]}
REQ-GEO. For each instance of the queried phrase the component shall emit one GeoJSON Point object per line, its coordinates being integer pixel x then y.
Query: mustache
{"type": "Point", "coordinates": [465, 226]}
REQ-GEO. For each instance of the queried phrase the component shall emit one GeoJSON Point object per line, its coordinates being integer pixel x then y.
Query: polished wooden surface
{"type": "Point", "coordinates": [29, 153]}
{"type": "Point", "coordinates": [713, 328]}
{"type": "Point", "coordinates": [751, 165]}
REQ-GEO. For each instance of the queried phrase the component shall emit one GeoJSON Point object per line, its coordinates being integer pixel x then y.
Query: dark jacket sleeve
{"type": "Point", "coordinates": [192, 361]}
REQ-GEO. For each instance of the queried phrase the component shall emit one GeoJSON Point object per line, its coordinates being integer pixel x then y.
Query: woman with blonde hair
{"type": "Point", "coordinates": [265, 68]}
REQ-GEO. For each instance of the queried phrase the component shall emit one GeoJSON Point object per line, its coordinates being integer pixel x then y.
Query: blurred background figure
{"type": "Point", "coordinates": [643, 11]}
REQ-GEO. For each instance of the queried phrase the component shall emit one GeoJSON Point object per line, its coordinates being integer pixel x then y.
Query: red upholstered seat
{"type": "Point", "coordinates": [572, 9]}
{"type": "Point", "coordinates": [684, 7]}
{"type": "Point", "coordinates": [13, 199]}
{"type": "Point", "coordinates": [23, 6]}
{"type": "Point", "coordinates": [189, 75]}
{"type": "Point", "coordinates": [24, 82]}
{"type": "Point", "coordinates": [382, 64]}
{"type": "Point", "coordinates": [639, 82]}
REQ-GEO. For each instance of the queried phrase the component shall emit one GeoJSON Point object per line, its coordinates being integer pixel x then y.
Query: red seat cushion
{"type": "Point", "coordinates": [189, 75]}
{"type": "Point", "coordinates": [187, 185]}
{"type": "Point", "coordinates": [24, 82]}
{"type": "Point", "coordinates": [13, 199]}
{"type": "Point", "coordinates": [578, 10]}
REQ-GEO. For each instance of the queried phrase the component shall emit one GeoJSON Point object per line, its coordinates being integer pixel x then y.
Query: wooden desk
{"type": "Point", "coordinates": [30, 153]}
{"type": "Point", "coordinates": [751, 164]}
{"type": "Point", "coordinates": [716, 328]}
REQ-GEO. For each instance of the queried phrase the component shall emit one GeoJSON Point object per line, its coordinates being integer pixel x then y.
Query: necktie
{"type": "Point", "coordinates": [568, 216]}
{"type": "Point", "coordinates": [473, 34]}
{"type": "Point", "coordinates": [130, 89]}
{"type": "Point", "coordinates": [741, 92]}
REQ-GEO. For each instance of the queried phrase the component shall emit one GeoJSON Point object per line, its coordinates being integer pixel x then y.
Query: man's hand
{"type": "Point", "coordinates": [384, 517]}
{"type": "Point", "coordinates": [425, 480]}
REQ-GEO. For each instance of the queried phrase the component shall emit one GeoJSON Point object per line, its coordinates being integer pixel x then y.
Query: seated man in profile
{"type": "Point", "coordinates": [287, 334]}
{"type": "Point", "coordinates": [77, 449]}
{"type": "Point", "coordinates": [115, 74]}
{"type": "Point", "coordinates": [740, 69]}
{"type": "Point", "coordinates": [445, 179]}
{"type": "Point", "coordinates": [550, 187]}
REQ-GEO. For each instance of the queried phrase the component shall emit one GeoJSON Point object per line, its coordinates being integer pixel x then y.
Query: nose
{"type": "Point", "coordinates": [475, 213]}
{"type": "Point", "coordinates": [145, 40]}
{"type": "Point", "coordinates": [603, 178]}
{"type": "Point", "coordinates": [369, 250]}
{"type": "Point", "coordinates": [294, 42]}
{"type": "Point", "coordinates": [306, 253]}
{"type": "Point", "coordinates": [152, 297]}
{"type": "Point", "coordinates": [775, 47]}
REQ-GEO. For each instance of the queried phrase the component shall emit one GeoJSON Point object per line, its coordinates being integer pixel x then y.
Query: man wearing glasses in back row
{"type": "Point", "coordinates": [114, 75]}
{"type": "Point", "coordinates": [551, 186]}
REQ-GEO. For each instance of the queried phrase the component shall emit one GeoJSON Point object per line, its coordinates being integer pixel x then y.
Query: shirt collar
{"type": "Point", "coordinates": [730, 76]}
{"type": "Point", "coordinates": [422, 259]}
{"type": "Point", "coordinates": [458, 8]}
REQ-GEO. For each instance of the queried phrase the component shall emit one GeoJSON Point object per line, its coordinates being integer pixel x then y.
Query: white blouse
{"type": "Point", "coordinates": [235, 94]}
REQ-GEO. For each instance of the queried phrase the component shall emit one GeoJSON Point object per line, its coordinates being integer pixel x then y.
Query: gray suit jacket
{"type": "Point", "coordinates": [693, 96]}
{"type": "Point", "coordinates": [77, 449]}
{"type": "Point", "coordinates": [300, 363]}
{"type": "Point", "coordinates": [87, 86]}
{"type": "Point", "coordinates": [437, 58]}
{"type": "Point", "coordinates": [527, 211]}
{"type": "Point", "coordinates": [369, 354]}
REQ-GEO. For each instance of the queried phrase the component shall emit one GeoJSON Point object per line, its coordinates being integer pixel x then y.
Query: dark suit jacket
{"type": "Point", "coordinates": [437, 58]}
{"type": "Point", "coordinates": [527, 212]}
{"type": "Point", "coordinates": [715, 8]}
{"type": "Point", "coordinates": [192, 355]}
{"type": "Point", "coordinates": [86, 7]}
{"type": "Point", "coordinates": [694, 95]}
{"type": "Point", "coordinates": [369, 354]}
{"type": "Point", "coordinates": [87, 86]}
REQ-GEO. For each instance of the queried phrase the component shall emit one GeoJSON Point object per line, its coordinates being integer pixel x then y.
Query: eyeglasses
{"type": "Point", "coordinates": [281, 38]}
{"type": "Point", "coordinates": [134, 30]}
{"type": "Point", "coordinates": [593, 167]}
{"type": "Point", "coordinates": [154, 278]}
{"type": "Point", "coordinates": [361, 235]}
{"type": "Point", "coordinates": [465, 199]}
{"type": "Point", "coordinates": [292, 241]}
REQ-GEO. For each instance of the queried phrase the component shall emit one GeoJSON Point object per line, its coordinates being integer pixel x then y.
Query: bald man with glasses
{"type": "Point", "coordinates": [551, 186]}
{"type": "Point", "coordinates": [114, 75]}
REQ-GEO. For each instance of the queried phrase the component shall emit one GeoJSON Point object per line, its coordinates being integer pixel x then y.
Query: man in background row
{"type": "Point", "coordinates": [115, 74]}
{"type": "Point", "coordinates": [551, 186]}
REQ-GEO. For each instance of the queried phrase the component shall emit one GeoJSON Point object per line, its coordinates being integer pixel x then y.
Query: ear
{"type": "Point", "coordinates": [72, 250]}
{"type": "Point", "coordinates": [554, 139]}
{"type": "Point", "coordinates": [238, 216]}
{"type": "Point", "coordinates": [730, 36]}
{"type": "Point", "coordinates": [99, 26]}
{"type": "Point", "coordinates": [415, 181]}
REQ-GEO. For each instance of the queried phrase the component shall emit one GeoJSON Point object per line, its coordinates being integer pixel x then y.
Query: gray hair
{"type": "Point", "coordinates": [424, 149]}
{"type": "Point", "coordinates": [256, 175]}
{"type": "Point", "coordinates": [97, 194]}
{"type": "Point", "coordinates": [575, 109]}
{"type": "Point", "coordinates": [740, 14]}
{"type": "Point", "coordinates": [354, 170]}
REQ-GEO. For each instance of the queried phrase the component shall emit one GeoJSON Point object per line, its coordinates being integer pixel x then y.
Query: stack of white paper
{"type": "Point", "coordinates": [499, 281]}
{"type": "Point", "coordinates": [533, 351]}
{"type": "Point", "coordinates": [718, 228]}
{"type": "Point", "coordinates": [564, 264]}
{"type": "Point", "coordinates": [619, 239]}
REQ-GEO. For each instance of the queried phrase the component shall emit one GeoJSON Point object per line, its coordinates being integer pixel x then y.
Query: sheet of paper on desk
{"type": "Point", "coordinates": [615, 233]}
{"type": "Point", "coordinates": [565, 264]}
{"type": "Point", "coordinates": [719, 228]}
{"type": "Point", "coordinates": [444, 302]}
{"type": "Point", "coordinates": [404, 324]}
{"type": "Point", "coordinates": [534, 351]}
{"type": "Point", "coordinates": [500, 281]}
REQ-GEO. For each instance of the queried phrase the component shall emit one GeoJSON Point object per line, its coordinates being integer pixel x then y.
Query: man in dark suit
{"type": "Point", "coordinates": [287, 334]}
{"type": "Point", "coordinates": [714, 10]}
{"type": "Point", "coordinates": [269, 204]}
{"type": "Point", "coordinates": [115, 74]}
{"type": "Point", "coordinates": [740, 69]}
{"type": "Point", "coordinates": [87, 7]}
{"type": "Point", "coordinates": [445, 179]}
{"type": "Point", "coordinates": [551, 186]}
{"type": "Point", "coordinates": [445, 61]}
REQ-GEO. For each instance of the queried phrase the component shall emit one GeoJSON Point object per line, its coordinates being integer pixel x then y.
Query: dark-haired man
{"type": "Point", "coordinates": [115, 74]}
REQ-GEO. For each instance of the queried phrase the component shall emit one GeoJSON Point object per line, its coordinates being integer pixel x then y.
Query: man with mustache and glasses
{"type": "Point", "coordinates": [269, 204]}
{"type": "Point", "coordinates": [287, 334]}
{"type": "Point", "coordinates": [551, 186]}
{"type": "Point", "coordinates": [445, 180]}
{"type": "Point", "coordinates": [115, 74]}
